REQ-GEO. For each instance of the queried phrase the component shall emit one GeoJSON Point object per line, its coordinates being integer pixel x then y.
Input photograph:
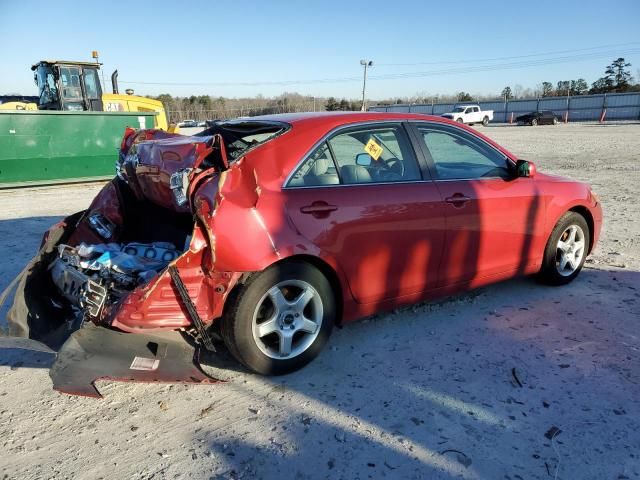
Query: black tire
{"type": "Point", "coordinates": [460, 120]}
{"type": "Point", "coordinates": [470, 124]}
{"type": "Point", "coordinates": [534, 122]}
{"type": "Point", "coordinates": [549, 273]}
{"type": "Point", "coordinates": [485, 121]}
{"type": "Point", "coordinates": [237, 323]}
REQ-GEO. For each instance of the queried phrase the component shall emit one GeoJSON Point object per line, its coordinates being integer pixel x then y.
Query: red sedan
{"type": "Point", "coordinates": [268, 231]}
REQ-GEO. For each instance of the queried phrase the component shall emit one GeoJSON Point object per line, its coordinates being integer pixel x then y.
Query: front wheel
{"type": "Point", "coordinates": [534, 122]}
{"type": "Point", "coordinates": [555, 121]}
{"type": "Point", "coordinates": [460, 120]}
{"type": "Point", "coordinates": [566, 250]}
{"type": "Point", "coordinates": [485, 121]}
{"type": "Point", "coordinates": [280, 319]}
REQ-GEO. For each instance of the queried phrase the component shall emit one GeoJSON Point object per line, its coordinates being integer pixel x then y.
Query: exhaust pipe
{"type": "Point", "coordinates": [114, 81]}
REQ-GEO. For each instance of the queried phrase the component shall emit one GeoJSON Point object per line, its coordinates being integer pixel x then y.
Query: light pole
{"type": "Point", "coordinates": [365, 64]}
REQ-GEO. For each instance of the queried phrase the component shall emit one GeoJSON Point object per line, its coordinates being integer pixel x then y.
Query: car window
{"type": "Point", "coordinates": [458, 155]}
{"type": "Point", "coordinates": [374, 154]}
{"type": "Point", "coordinates": [317, 169]}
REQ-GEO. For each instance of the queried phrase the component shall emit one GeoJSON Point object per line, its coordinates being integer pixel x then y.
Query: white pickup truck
{"type": "Point", "coordinates": [470, 114]}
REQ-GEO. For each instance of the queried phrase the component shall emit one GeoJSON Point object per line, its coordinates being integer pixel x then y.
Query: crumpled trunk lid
{"type": "Point", "coordinates": [160, 166]}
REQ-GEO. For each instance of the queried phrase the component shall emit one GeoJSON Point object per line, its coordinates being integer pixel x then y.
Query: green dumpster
{"type": "Point", "coordinates": [43, 147]}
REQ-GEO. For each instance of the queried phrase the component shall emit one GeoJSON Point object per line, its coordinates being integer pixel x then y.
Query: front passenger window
{"type": "Point", "coordinates": [458, 155]}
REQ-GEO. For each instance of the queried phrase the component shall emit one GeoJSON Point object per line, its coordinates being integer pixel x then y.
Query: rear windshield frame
{"type": "Point", "coordinates": [234, 130]}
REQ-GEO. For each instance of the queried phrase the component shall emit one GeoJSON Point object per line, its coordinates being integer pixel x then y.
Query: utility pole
{"type": "Point", "coordinates": [365, 64]}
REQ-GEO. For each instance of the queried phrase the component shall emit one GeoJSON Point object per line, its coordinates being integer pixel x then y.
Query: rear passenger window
{"type": "Point", "coordinates": [374, 154]}
{"type": "Point", "coordinates": [318, 169]}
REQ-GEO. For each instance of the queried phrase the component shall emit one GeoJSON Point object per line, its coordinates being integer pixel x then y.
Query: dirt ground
{"type": "Point", "coordinates": [515, 381]}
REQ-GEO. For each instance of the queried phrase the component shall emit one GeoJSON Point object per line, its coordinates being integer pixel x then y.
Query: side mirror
{"type": "Point", "coordinates": [363, 159]}
{"type": "Point", "coordinates": [525, 169]}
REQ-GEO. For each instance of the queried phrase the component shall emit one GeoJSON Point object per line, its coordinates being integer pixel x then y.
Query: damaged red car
{"type": "Point", "coordinates": [267, 232]}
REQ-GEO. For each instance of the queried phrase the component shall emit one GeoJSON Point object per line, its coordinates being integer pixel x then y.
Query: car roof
{"type": "Point", "coordinates": [330, 119]}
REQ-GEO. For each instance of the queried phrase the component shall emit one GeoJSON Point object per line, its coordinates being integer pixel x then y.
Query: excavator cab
{"type": "Point", "coordinates": [71, 86]}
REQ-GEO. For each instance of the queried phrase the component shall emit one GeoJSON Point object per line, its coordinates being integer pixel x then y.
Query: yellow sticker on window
{"type": "Point", "coordinates": [373, 149]}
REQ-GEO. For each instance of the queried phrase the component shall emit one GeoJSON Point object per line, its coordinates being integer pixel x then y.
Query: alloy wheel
{"type": "Point", "coordinates": [570, 250]}
{"type": "Point", "coordinates": [287, 319]}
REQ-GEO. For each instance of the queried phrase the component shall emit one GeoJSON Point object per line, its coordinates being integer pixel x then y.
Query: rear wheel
{"type": "Point", "coordinates": [460, 120]}
{"type": "Point", "coordinates": [555, 120]}
{"type": "Point", "coordinates": [566, 250]}
{"type": "Point", "coordinates": [534, 122]}
{"type": "Point", "coordinates": [485, 121]}
{"type": "Point", "coordinates": [280, 319]}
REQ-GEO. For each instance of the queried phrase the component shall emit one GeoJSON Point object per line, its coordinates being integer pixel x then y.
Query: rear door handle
{"type": "Point", "coordinates": [318, 208]}
{"type": "Point", "coordinates": [458, 199]}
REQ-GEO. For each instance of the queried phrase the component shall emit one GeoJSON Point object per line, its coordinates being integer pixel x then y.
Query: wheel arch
{"type": "Point", "coordinates": [330, 274]}
{"type": "Point", "coordinates": [586, 214]}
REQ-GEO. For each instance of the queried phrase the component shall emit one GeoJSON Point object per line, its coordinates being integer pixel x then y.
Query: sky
{"type": "Point", "coordinates": [245, 48]}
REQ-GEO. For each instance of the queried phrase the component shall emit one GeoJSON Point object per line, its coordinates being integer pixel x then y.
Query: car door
{"type": "Point", "coordinates": [494, 220]}
{"type": "Point", "coordinates": [360, 197]}
{"type": "Point", "coordinates": [477, 118]}
{"type": "Point", "coordinates": [547, 117]}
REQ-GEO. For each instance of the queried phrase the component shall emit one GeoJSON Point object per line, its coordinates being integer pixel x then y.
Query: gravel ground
{"type": "Point", "coordinates": [515, 381]}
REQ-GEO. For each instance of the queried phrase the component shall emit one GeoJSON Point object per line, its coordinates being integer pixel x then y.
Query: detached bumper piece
{"type": "Point", "coordinates": [94, 353]}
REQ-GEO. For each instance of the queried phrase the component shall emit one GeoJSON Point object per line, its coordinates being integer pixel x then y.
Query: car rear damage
{"type": "Point", "coordinates": [141, 259]}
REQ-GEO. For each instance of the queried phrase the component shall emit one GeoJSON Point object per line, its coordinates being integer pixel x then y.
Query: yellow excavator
{"type": "Point", "coordinates": [75, 86]}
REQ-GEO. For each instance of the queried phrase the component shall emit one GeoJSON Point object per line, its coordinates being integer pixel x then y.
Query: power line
{"type": "Point", "coordinates": [476, 60]}
{"type": "Point", "coordinates": [502, 66]}
{"type": "Point", "coordinates": [403, 75]}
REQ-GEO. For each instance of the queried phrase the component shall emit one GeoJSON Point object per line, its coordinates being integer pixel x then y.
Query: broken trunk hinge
{"type": "Point", "coordinates": [191, 308]}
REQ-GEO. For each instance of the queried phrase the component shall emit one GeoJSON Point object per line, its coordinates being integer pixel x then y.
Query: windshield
{"type": "Point", "coordinates": [47, 90]}
{"type": "Point", "coordinates": [241, 136]}
{"type": "Point", "coordinates": [459, 109]}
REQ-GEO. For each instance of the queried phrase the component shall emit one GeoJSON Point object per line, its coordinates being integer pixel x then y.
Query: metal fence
{"type": "Point", "coordinates": [175, 116]}
{"type": "Point", "coordinates": [608, 106]}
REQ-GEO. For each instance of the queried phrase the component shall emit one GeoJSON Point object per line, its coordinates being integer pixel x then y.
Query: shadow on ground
{"type": "Point", "coordinates": [517, 381]}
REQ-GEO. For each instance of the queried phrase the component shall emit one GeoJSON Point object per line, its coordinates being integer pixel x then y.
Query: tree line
{"type": "Point", "coordinates": [616, 79]}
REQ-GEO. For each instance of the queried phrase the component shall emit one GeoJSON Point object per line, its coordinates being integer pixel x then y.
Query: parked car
{"type": "Point", "coordinates": [188, 123]}
{"type": "Point", "coordinates": [470, 114]}
{"type": "Point", "coordinates": [269, 231]}
{"type": "Point", "coordinates": [543, 117]}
